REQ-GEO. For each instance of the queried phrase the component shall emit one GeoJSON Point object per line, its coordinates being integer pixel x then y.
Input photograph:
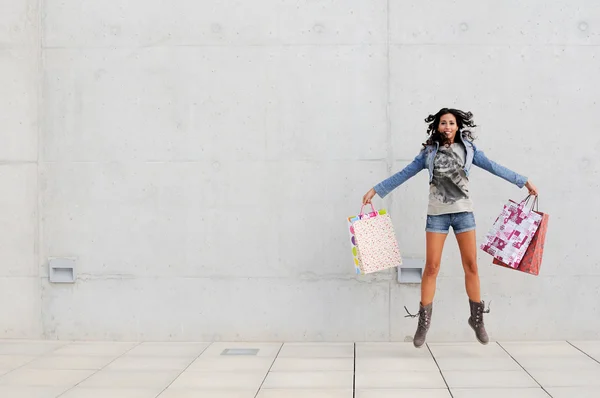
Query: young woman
{"type": "Point", "coordinates": [448, 155]}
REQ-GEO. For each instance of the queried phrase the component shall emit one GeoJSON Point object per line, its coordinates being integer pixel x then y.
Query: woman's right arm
{"type": "Point", "coordinates": [388, 185]}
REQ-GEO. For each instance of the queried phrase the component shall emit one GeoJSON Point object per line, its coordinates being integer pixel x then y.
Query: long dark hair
{"type": "Point", "coordinates": [463, 119]}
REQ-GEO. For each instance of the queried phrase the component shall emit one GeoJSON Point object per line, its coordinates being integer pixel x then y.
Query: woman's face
{"type": "Point", "coordinates": [448, 126]}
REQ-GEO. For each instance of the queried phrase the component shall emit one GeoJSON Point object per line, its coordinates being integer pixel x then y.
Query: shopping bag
{"type": "Point", "coordinates": [354, 247]}
{"type": "Point", "coordinates": [532, 260]}
{"type": "Point", "coordinates": [373, 241]}
{"type": "Point", "coordinates": [512, 232]}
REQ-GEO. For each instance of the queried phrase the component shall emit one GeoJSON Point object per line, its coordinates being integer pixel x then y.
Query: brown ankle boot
{"type": "Point", "coordinates": [476, 321]}
{"type": "Point", "coordinates": [424, 315]}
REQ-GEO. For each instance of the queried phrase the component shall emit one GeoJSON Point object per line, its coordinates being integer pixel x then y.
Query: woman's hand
{"type": "Point", "coordinates": [532, 189]}
{"type": "Point", "coordinates": [368, 196]}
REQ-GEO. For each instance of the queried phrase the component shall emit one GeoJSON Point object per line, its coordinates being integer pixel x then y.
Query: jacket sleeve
{"type": "Point", "coordinates": [482, 161]}
{"type": "Point", "coordinates": [388, 185]}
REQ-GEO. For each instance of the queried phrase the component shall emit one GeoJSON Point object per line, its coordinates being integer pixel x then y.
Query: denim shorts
{"type": "Point", "coordinates": [460, 222]}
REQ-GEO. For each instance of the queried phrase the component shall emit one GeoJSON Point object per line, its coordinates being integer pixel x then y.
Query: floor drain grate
{"type": "Point", "coordinates": [240, 351]}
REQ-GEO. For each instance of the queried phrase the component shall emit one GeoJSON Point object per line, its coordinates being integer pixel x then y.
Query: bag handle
{"type": "Point", "coordinates": [525, 201]}
{"type": "Point", "coordinates": [361, 210]}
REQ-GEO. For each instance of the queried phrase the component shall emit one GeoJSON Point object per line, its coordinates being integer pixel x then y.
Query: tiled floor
{"type": "Point", "coordinates": [46, 369]}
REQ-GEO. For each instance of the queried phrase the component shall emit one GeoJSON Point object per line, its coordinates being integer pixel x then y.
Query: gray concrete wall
{"type": "Point", "coordinates": [20, 293]}
{"type": "Point", "coordinates": [199, 159]}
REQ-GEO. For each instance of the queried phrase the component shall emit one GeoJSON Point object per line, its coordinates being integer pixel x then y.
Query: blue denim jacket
{"type": "Point", "coordinates": [424, 160]}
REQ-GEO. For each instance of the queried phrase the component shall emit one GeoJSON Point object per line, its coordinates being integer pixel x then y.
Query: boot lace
{"type": "Point", "coordinates": [422, 314]}
{"type": "Point", "coordinates": [480, 310]}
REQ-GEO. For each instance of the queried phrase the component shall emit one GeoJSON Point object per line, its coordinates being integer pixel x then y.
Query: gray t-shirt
{"type": "Point", "coordinates": [449, 191]}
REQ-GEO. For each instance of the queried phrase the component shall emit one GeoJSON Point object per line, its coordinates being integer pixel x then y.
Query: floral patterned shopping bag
{"type": "Point", "coordinates": [512, 232]}
{"type": "Point", "coordinates": [373, 241]}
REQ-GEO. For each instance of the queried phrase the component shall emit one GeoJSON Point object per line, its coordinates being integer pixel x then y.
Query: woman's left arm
{"type": "Point", "coordinates": [481, 160]}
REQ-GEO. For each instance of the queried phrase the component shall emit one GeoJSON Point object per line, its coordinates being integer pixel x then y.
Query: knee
{"type": "Point", "coordinates": [432, 270]}
{"type": "Point", "coordinates": [470, 268]}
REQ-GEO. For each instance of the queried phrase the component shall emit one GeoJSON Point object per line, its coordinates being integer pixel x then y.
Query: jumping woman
{"type": "Point", "coordinates": [448, 154]}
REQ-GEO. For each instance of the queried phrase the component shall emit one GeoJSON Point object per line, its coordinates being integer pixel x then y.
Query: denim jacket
{"type": "Point", "coordinates": [424, 160]}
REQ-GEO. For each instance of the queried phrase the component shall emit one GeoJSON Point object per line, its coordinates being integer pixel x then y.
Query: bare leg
{"type": "Point", "coordinates": [435, 245]}
{"type": "Point", "coordinates": [468, 253]}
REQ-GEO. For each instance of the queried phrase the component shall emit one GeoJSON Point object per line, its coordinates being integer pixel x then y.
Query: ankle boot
{"type": "Point", "coordinates": [424, 315]}
{"type": "Point", "coordinates": [476, 321]}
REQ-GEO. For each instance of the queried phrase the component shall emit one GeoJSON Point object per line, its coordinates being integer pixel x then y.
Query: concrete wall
{"type": "Point", "coordinates": [20, 294]}
{"type": "Point", "coordinates": [198, 160]}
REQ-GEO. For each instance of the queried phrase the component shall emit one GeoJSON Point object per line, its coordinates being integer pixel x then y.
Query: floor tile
{"type": "Point", "coordinates": [574, 392]}
{"type": "Point", "coordinates": [404, 393]}
{"type": "Point", "coordinates": [69, 362]}
{"type": "Point", "coordinates": [582, 362]}
{"type": "Point", "coordinates": [265, 349]}
{"type": "Point", "coordinates": [45, 377]}
{"type": "Point", "coordinates": [500, 393]}
{"type": "Point", "coordinates": [102, 349]}
{"type": "Point", "coordinates": [130, 379]}
{"type": "Point", "coordinates": [40, 369]}
{"type": "Point", "coordinates": [317, 350]}
{"type": "Point", "coordinates": [399, 380]}
{"type": "Point", "coordinates": [312, 380]}
{"type": "Point", "coordinates": [306, 393]}
{"type": "Point", "coordinates": [591, 348]}
{"type": "Point", "coordinates": [585, 343]}
{"type": "Point", "coordinates": [219, 380]}
{"type": "Point", "coordinates": [312, 364]}
{"type": "Point", "coordinates": [179, 393]}
{"type": "Point", "coordinates": [150, 363]}
{"type": "Point", "coordinates": [567, 378]}
{"type": "Point", "coordinates": [489, 379]}
{"type": "Point", "coordinates": [544, 349]}
{"type": "Point", "coordinates": [395, 365]}
{"type": "Point", "coordinates": [390, 350]}
{"type": "Point", "coordinates": [168, 349]}
{"type": "Point", "coordinates": [20, 347]}
{"type": "Point", "coordinates": [467, 350]}
{"type": "Point", "coordinates": [31, 392]}
{"type": "Point", "coordinates": [231, 364]}
{"type": "Point", "coordinates": [15, 361]}
{"type": "Point", "coordinates": [81, 392]}
{"type": "Point", "coordinates": [491, 363]}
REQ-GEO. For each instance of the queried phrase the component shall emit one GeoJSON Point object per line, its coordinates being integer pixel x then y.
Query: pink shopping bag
{"type": "Point", "coordinates": [532, 260]}
{"type": "Point", "coordinates": [512, 232]}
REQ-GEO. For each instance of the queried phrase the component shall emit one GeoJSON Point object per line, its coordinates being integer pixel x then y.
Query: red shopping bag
{"type": "Point", "coordinates": [532, 259]}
